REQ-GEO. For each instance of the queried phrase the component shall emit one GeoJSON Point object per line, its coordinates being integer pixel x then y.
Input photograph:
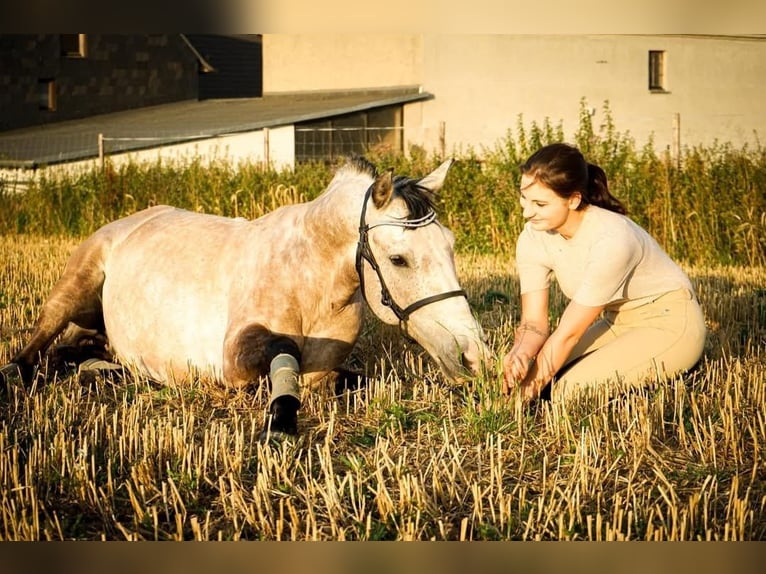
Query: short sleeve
{"type": "Point", "coordinates": [532, 263]}
{"type": "Point", "coordinates": [609, 267]}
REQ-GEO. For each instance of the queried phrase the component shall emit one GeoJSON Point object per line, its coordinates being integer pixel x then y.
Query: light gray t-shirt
{"type": "Point", "coordinates": [609, 261]}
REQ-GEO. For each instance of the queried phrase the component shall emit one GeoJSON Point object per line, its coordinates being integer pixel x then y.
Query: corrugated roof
{"type": "Point", "coordinates": [186, 121]}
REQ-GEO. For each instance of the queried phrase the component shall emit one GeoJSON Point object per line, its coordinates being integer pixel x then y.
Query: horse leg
{"type": "Point", "coordinates": [285, 394]}
{"type": "Point", "coordinates": [254, 352]}
{"type": "Point", "coordinates": [78, 344]}
{"type": "Point", "coordinates": [76, 298]}
{"type": "Point", "coordinates": [348, 380]}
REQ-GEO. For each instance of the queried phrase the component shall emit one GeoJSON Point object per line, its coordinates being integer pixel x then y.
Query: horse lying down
{"type": "Point", "coordinates": [175, 292]}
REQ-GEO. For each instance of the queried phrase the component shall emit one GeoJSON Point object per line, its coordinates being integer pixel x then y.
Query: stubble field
{"type": "Point", "coordinates": [409, 458]}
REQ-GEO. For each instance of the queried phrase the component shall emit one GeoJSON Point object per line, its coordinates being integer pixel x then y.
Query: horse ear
{"type": "Point", "coordinates": [383, 189]}
{"type": "Point", "coordinates": [434, 180]}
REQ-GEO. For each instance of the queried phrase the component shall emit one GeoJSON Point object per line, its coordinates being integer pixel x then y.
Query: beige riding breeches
{"type": "Point", "coordinates": [635, 348]}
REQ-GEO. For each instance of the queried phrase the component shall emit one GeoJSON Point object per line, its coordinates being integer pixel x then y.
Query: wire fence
{"type": "Point", "coordinates": [22, 154]}
{"type": "Point", "coordinates": [22, 157]}
{"type": "Point", "coordinates": [55, 146]}
{"type": "Point", "coordinates": [328, 143]}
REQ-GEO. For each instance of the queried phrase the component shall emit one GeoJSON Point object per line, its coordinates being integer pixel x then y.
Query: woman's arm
{"type": "Point", "coordinates": [530, 335]}
{"type": "Point", "coordinates": [574, 322]}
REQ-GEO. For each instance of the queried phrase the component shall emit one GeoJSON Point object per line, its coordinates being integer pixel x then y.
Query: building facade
{"type": "Point", "coordinates": [672, 90]}
{"type": "Point", "coordinates": [279, 99]}
{"type": "Point", "coordinates": [48, 78]}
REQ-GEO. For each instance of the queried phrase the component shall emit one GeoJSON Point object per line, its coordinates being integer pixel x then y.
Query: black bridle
{"type": "Point", "coordinates": [363, 252]}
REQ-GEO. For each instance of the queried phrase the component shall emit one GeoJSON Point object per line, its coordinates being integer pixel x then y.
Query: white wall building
{"type": "Point", "coordinates": [326, 95]}
{"type": "Point", "coordinates": [713, 84]}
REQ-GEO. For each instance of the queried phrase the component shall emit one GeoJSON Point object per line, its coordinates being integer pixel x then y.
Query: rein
{"type": "Point", "coordinates": [363, 252]}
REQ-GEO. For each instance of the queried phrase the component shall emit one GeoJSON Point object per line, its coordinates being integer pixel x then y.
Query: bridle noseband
{"type": "Point", "coordinates": [363, 251]}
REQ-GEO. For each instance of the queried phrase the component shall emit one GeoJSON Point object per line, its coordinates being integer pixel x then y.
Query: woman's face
{"type": "Point", "coordinates": [545, 210]}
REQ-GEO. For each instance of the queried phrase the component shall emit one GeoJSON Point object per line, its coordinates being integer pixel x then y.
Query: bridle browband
{"type": "Point", "coordinates": [363, 251]}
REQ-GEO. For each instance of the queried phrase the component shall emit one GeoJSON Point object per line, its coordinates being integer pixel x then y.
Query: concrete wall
{"type": "Point", "coordinates": [483, 83]}
{"type": "Point", "coordinates": [294, 63]}
{"type": "Point", "coordinates": [275, 145]}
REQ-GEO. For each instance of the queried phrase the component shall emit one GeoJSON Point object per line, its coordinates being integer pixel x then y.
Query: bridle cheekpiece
{"type": "Point", "coordinates": [363, 252]}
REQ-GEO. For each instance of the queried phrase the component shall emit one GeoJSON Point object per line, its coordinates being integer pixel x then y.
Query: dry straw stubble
{"type": "Point", "coordinates": [409, 459]}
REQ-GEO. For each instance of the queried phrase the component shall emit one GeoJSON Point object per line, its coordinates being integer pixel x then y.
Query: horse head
{"type": "Point", "coordinates": [406, 266]}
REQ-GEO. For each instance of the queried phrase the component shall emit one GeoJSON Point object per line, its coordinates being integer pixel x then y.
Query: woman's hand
{"type": "Point", "coordinates": [515, 370]}
{"type": "Point", "coordinates": [529, 375]}
{"type": "Point", "coordinates": [543, 371]}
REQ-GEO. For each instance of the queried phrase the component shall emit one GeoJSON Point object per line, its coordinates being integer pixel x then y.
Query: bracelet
{"type": "Point", "coordinates": [532, 328]}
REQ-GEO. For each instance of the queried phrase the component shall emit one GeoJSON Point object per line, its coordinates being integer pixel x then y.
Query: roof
{"type": "Point", "coordinates": [186, 121]}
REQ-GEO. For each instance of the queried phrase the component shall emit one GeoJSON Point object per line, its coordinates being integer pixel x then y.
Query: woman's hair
{"type": "Point", "coordinates": [562, 168]}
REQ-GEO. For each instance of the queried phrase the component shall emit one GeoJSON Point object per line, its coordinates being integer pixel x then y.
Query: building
{"type": "Point", "coordinates": [683, 89]}
{"type": "Point", "coordinates": [72, 98]}
{"type": "Point", "coordinates": [282, 98]}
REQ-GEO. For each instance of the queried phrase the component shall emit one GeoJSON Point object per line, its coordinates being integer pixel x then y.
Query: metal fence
{"type": "Point", "coordinates": [327, 143]}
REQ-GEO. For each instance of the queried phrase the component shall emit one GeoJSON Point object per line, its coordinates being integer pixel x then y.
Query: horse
{"type": "Point", "coordinates": [172, 293]}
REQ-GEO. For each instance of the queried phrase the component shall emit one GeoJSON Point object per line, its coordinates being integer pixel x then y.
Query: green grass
{"type": "Point", "coordinates": [708, 209]}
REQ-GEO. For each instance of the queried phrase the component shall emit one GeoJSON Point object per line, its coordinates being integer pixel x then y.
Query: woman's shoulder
{"type": "Point", "coordinates": [606, 222]}
{"type": "Point", "coordinates": [603, 214]}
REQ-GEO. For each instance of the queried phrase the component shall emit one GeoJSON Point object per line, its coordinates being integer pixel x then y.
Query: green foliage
{"type": "Point", "coordinates": [708, 207]}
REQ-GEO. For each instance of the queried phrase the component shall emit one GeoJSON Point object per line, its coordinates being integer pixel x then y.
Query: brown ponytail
{"type": "Point", "coordinates": [562, 168]}
{"type": "Point", "coordinates": [597, 192]}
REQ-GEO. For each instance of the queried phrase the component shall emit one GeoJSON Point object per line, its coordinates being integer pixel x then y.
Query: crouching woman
{"type": "Point", "coordinates": [632, 317]}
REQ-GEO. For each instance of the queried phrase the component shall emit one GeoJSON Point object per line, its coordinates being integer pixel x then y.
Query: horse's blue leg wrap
{"type": "Point", "coordinates": [284, 371]}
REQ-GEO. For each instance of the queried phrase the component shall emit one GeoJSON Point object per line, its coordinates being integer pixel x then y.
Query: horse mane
{"type": "Point", "coordinates": [419, 200]}
{"type": "Point", "coordinates": [361, 165]}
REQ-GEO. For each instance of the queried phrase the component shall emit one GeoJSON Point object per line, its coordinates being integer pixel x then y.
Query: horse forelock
{"type": "Point", "coordinates": [419, 200]}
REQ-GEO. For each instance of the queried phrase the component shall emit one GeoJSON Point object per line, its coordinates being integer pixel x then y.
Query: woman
{"type": "Point", "coordinates": [632, 316]}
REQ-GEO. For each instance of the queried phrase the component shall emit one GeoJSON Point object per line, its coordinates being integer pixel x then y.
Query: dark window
{"type": "Point", "coordinates": [657, 71]}
{"type": "Point", "coordinates": [349, 134]}
{"type": "Point", "coordinates": [46, 94]}
{"type": "Point", "coordinates": [73, 45]}
{"type": "Point", "coordinates": [384, 128]}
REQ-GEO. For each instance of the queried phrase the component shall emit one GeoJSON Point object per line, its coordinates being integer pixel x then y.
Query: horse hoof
{"type": "Point", "coordinates": [275, 437]}
{"type": "Point", "coordinates": [99, 365]}
{"type": "Point", "coordinates": [349, 381]}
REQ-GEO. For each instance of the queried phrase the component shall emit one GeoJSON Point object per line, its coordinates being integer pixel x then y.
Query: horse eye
{"type": "Point", "coordinates": [398, 261]}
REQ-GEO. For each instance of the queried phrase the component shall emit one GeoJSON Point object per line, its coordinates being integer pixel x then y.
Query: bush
{"type": "Point", "coordinates": [710, 207]}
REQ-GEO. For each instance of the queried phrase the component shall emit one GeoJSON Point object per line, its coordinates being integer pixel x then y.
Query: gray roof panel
{"type": "Point", "coordinates": [186, 121]}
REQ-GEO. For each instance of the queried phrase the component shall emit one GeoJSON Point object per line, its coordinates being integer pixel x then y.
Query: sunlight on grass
{"type": "Point", "coordinates": [408, 458]}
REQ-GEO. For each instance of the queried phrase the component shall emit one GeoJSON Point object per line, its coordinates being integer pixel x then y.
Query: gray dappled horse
{"type": "Point", "coordinates": [176, 292]}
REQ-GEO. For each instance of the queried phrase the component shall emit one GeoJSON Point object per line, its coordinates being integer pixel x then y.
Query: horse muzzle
{"type": "Point", "coordinates": [470, 359]}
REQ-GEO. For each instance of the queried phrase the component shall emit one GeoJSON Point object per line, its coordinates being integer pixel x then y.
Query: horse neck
{"type": "Point", "coordinates": [340, 208]}
{"type": "Point", "coordinates": [332, 223]}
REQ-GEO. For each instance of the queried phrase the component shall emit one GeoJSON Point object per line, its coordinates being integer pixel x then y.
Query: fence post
{"type": "Point", "coordinates": [266, 150]}
{"type": "Point", "coordinates": [101, 150]}
{"type": "Point", "coordinates": [677, 139]}
{"type": "Point", "coordinates": [443, 138]}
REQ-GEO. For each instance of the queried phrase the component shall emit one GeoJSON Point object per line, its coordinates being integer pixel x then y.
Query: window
{"type": "Point", "coordinates": [657, 71]}
{"type": "Point", "coordinates": [46, 94]}
{"type": "Point", "coordinates": [73, 45]}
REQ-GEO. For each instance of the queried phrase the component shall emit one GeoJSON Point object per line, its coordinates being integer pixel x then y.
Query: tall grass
{"type": "Point", "coordinates": [709, 207]}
